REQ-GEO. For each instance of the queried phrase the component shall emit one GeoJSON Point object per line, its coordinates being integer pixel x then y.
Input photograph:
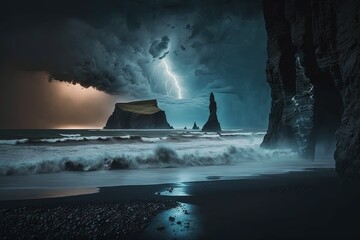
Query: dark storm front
{"type": "Point", "coordinates": [115, 47]}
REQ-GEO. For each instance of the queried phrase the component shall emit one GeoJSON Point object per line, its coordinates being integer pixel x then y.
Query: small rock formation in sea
{"type": "Point", "coordinates": [185, 127]}
{"type": "Point", "coordinates": [212, 124]}
{"type": "Point", "coordinates": [137, 115]}
{"type": "Point", "coordinates": [195, 127]}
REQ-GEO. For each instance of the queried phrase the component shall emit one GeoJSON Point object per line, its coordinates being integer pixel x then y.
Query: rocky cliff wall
{"type": "Point", "coordinates": [313, 71]}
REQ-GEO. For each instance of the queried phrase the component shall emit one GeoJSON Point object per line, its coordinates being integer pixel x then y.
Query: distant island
{"type": "Point", "coordinates": [138, 115]}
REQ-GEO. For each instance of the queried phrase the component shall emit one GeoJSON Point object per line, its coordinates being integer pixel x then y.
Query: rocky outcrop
{"type": "Point", "coordinates": [212, 124]}
{"type": "Point", "coordinates": [195, 127]}
{"type": "Point", "coordinates": [137, 115]}
{"type": "Point", "coordinates": [313, 70]}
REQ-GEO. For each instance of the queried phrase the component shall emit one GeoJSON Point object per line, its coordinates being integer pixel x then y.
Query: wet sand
{"type": "Point", "coordinates": [300, 205]}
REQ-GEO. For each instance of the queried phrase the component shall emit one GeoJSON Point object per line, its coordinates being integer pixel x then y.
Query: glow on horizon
{"type": "Point", "coordinates": [176, 82]}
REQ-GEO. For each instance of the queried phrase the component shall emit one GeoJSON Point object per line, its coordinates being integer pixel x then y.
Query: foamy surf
{"type": "Point", "coordinates": [133, 152]}
{"type": "Point", "coordinates": [145, 158]}
{"type": "Point", "coordinates": [13, 141]}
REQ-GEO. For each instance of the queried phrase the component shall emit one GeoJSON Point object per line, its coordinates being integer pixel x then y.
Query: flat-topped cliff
{"type": "Point", "coordinates": [137, 115]}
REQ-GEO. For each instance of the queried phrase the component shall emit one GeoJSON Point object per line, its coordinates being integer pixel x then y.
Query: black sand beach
{"type": "Point", "coordinates": [312, 204]}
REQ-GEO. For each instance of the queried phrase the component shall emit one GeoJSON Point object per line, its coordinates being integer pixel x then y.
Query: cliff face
{"type": "Point", "coordinates": [137, 115]}
{"type": "Point", "coordinates": [313, 70]}
{"type": "Point", "coordinates": [212, 124]}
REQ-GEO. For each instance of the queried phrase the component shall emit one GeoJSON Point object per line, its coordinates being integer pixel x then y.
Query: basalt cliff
{"type": "Point", "coordinates": [313, 70]}
{"type": "Point", "coordinates": [137, 115]}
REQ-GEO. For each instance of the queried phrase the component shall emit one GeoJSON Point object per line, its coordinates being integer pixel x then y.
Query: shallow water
{"type": "Point", "coordinates": [181, 222]}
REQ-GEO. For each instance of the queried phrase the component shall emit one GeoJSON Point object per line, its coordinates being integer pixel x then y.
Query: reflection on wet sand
{"type": "Point", "coordinates": [181, 222]}
{"type": "Point", "coordinates": [177, 190]}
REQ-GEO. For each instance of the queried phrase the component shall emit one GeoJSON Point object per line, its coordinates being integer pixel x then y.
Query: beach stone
{"type": "Point", "coordinates": [90, 221]}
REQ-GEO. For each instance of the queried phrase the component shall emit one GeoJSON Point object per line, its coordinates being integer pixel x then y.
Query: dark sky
{"type": "Point", "coordinates": [116, 46]}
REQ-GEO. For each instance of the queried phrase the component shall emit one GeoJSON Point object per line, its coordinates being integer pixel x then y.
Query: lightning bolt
{"type": "Point", "coordinates": [174, 79]}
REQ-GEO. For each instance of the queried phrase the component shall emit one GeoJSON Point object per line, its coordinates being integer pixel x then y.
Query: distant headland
{"type": "Point", "coordinates": [138, 115]}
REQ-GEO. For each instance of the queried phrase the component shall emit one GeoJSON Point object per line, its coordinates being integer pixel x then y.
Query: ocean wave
{"type": "Point", "coordinates": [74, 138]}
{"type": "Point", "coordinates": [153, 139]}
{"type": "Point", "coordinates": [159, 157]}
{"type": "Point", "coordinates": [260, 133]}
{"type": "Point", "coordinates": [70, 135]}
{"type": "Point", "coordinates": [210, 136]}
{"type": "Point", "coordinates": [68, 138]}
{"type": "Point", "coordinates": [13, 141]}
{"type": "Point", "coordinates": [79, 139]}
{"type": "Point", "coordinates": [97, 138]}
{"type": "Point", "coordinates": [237, 134]}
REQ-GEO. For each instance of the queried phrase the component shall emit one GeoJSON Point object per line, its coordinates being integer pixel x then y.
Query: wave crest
{"type": "Point", "coordinates": [160, 157]}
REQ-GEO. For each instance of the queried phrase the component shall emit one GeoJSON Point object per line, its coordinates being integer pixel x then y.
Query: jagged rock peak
{"type": "Point", "coordinates": [195, 126]}
{"type": "Point", "coordinates": [212, 106]}
{"type": "Point", "coordinates": [212, 124]}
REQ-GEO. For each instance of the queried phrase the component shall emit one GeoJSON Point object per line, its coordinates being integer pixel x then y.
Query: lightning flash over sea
{"type": "Point", "coordinates": [174, 79]}
{"type": "Point", "coordinates": [171, 82]}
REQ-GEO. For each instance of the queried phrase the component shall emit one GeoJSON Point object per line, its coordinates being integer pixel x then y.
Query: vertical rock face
{"type": "Point", "coordinates": [212, 123]}
{"type": "Point", "coordinates": [313, 70]}
{"type": "Point", "coordinates": [137, 115]}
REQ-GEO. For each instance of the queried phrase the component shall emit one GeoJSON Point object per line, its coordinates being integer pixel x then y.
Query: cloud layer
{"type": "Point", "coordinates": [211, 45]}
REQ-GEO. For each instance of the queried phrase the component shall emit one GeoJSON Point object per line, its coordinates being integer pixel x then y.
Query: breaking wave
{"type": "Point", "coordinates": [160, 157]}
{"type": "Point", "coordinates": [13, 141]}
{"type": "Point", "coordinates": [78, 138]}
{"type": "Point", "coordinates": [70, 135]}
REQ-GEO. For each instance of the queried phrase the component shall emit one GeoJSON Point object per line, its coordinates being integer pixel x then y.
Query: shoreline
{"type": "Point", "coordinates": [307, 204]}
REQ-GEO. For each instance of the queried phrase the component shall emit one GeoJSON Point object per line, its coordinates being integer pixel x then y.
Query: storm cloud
{"type": "Point", "coordinates": [159, 48]}
{"type": "Point", "coordinates": [115, 46]}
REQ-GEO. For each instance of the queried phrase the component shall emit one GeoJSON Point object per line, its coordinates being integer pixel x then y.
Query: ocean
{"type": "Point", "coordinates": [68, 159]}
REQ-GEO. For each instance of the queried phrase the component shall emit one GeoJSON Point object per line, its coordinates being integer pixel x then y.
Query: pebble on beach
{"type": "Point", "coordinates": [110, 220]}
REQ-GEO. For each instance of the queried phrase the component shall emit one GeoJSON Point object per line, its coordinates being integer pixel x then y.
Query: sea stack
{"type": "Point", "coordinates": [138, 115]}
{"type": "Point", "coordinates": [195, 126]}
{"type": "Point", "coordinates": [212, 124]}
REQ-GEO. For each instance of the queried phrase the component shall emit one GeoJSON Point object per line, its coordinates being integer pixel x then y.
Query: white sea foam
{"type": "Point", "coordinates": [74, 138]}
{"type": "Point", "coordinates": [212, 135]}
{"type": "Point", "coordinates": [237, 134]}
{"type": "Point", "coordinates": [70, 135]}
{"type": "Point", "coordinates": [150, 139]}
{"type": "Point", "coordinates": [146, 152]}
{"type": "Point", "coordinates": [260, 133]}
{"type": "Point", "coordinates": [67, 138]}
{"type": "Point", "coordinates": [13, 141]}
{"type": "Point", "coordinates": [152, 157]}
{"type": "Point", "coordinates": [230, 154]}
